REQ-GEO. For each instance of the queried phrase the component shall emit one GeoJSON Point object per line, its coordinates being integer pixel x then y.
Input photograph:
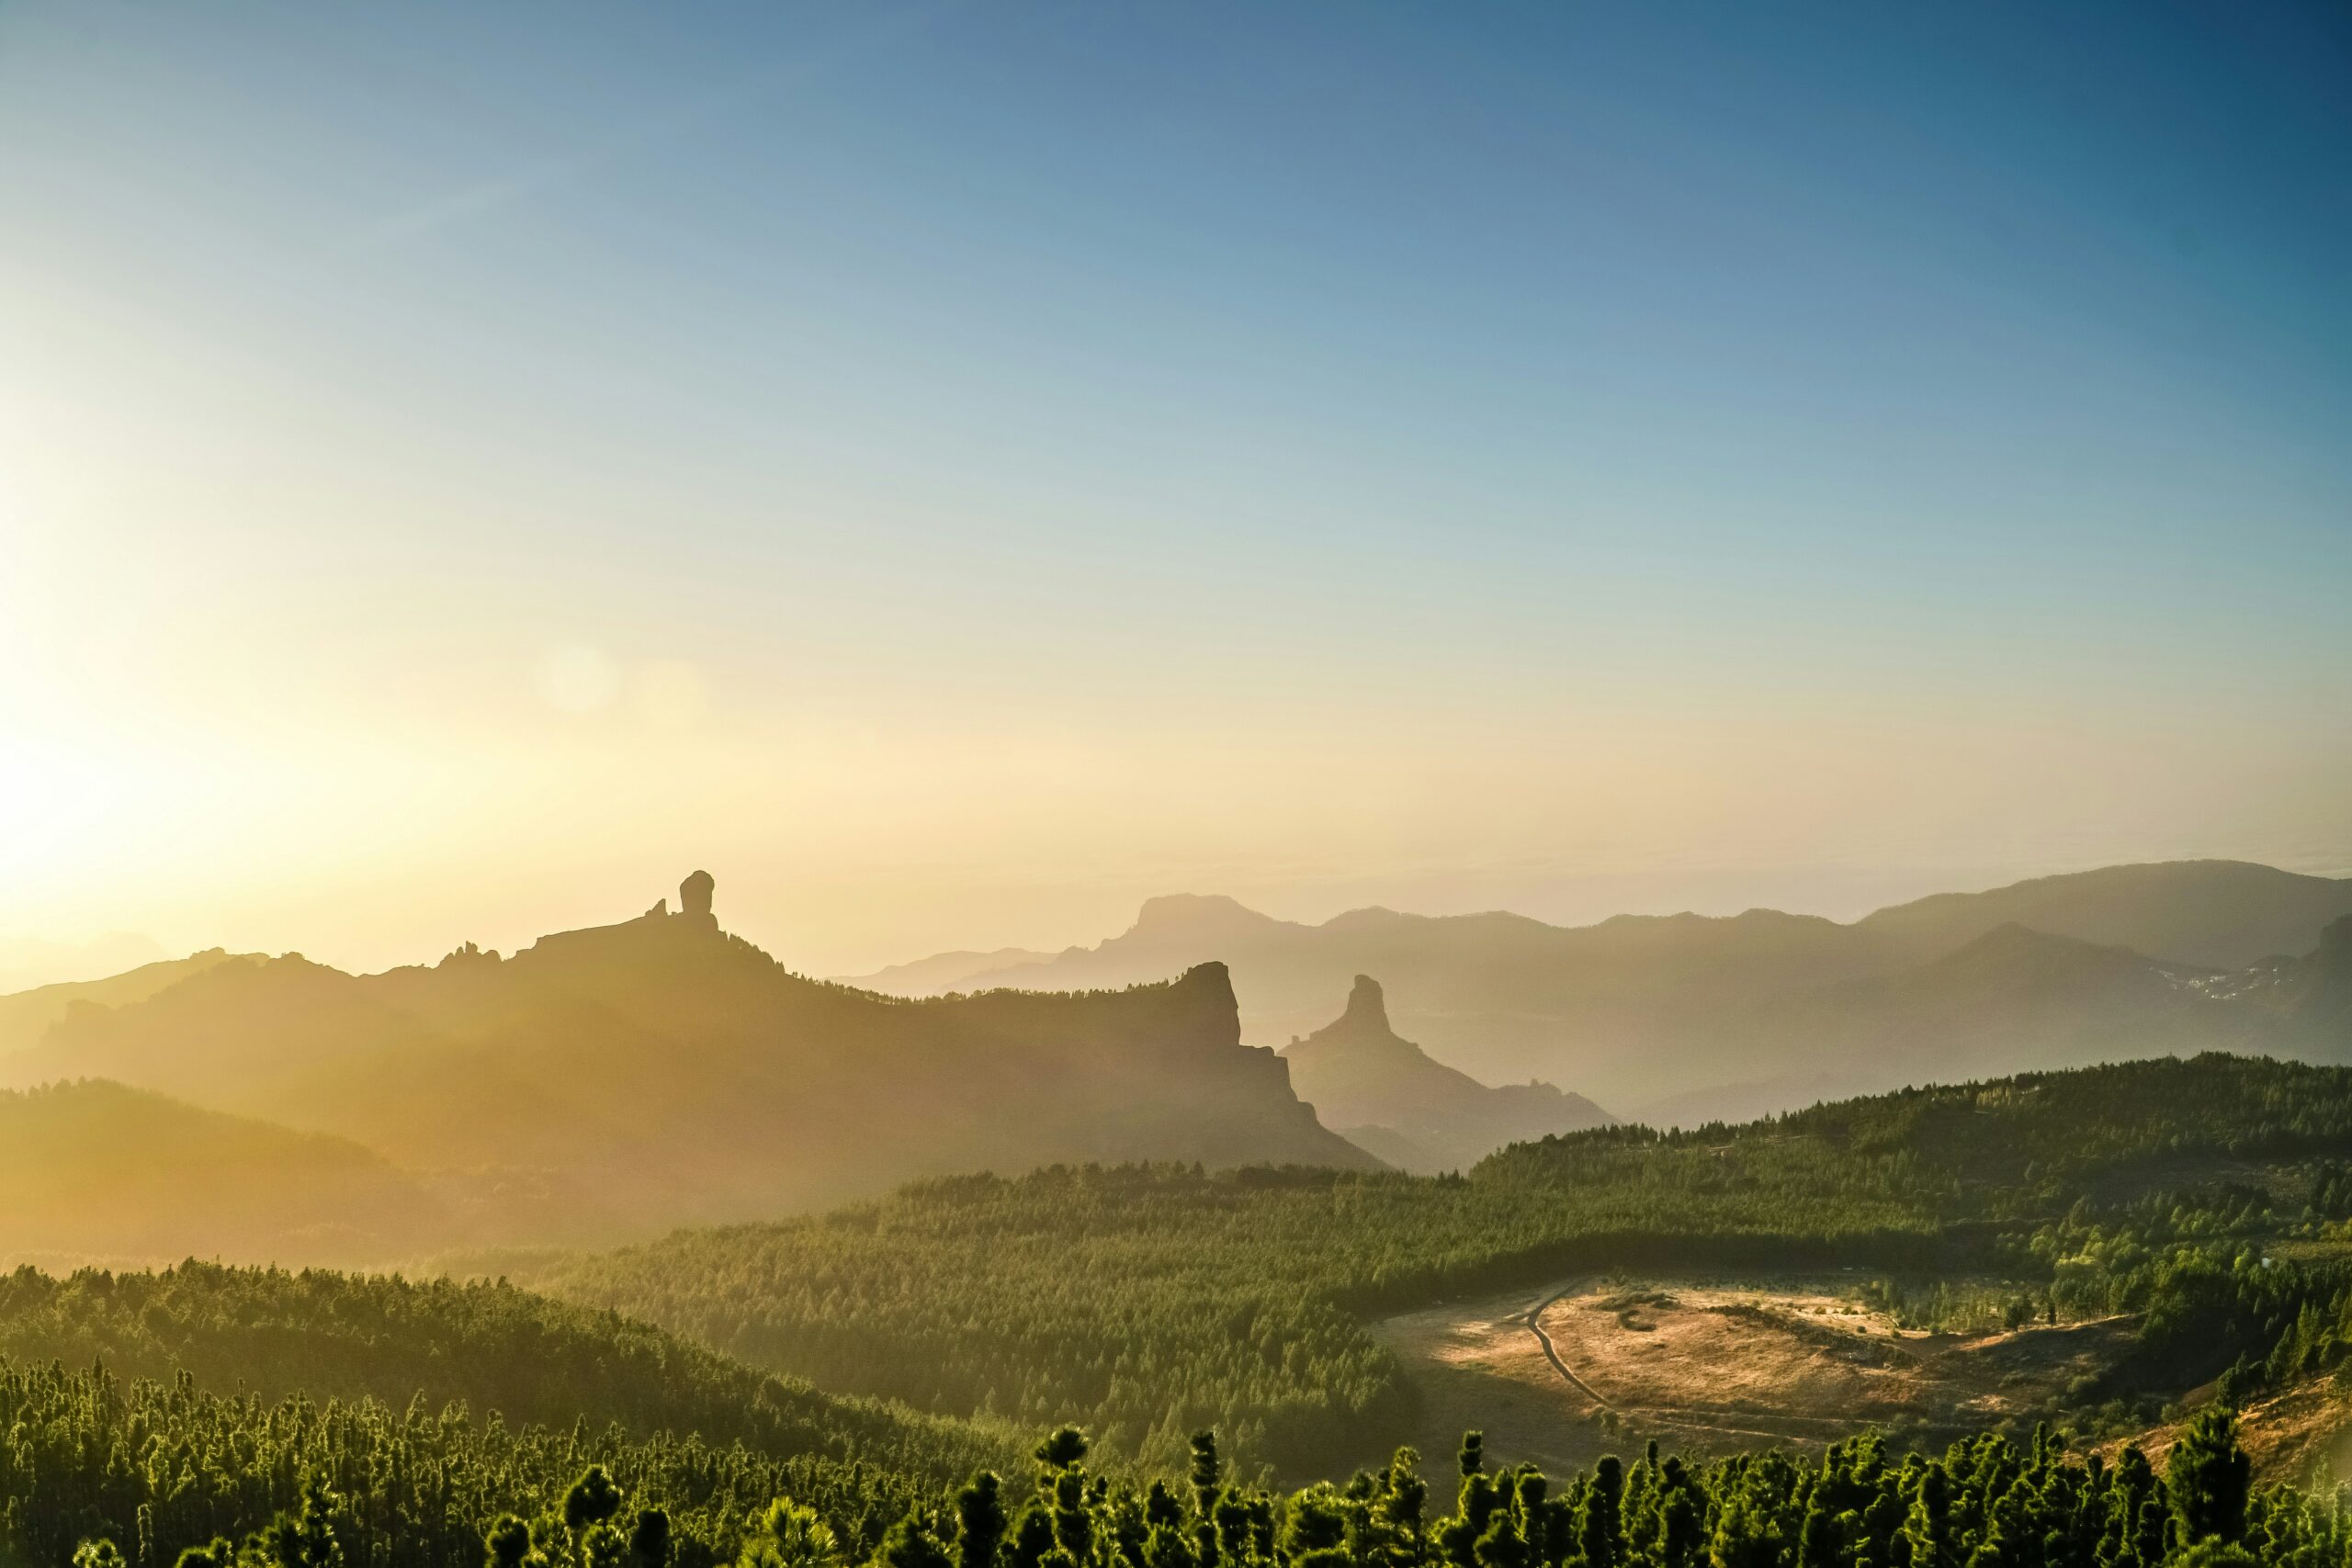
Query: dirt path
{"type": "Point", "coordinates": [1693, 1422]}
{"type": "Point", "coordinates": [1552, 1352]}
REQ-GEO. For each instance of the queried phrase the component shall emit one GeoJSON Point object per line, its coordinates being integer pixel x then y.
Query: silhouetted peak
{"type": "Point", "coordinates": [657, 927]}
{"type": "Point", "coordinates": [1372, 917]}
{"type": "Point", "coordinates": [1197, 916]}
{"type": "Point", "coordinates": [1364, 1025]}
{"type": "Point", "coordinates": [1210, 977]}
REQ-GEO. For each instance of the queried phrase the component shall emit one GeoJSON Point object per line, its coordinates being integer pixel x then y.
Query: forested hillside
{"type": "Point", "coordinates": [1151, 1302]}
{"type": "Point", "coordinates": [336, 1486]}
{"type": "Point", "coordinates": [2210, 1197]}
{"type": "Point", "coordinates": [535, 1432]}
{"type": "Point", "coordinates": [481, 1347]}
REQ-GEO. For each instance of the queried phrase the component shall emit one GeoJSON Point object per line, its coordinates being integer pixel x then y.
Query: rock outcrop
{"type": "Point", "coordinates": [1386, 1095]}
{"type": "Point", "coordinates": [693, 896]}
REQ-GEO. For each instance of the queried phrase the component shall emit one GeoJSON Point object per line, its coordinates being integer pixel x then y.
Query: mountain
{"type": "Point", "coordinates": [98, 1169]}
{"type": "Point", "coordinates": [1624, 1008]}
{"type": "Point", "coordinates": [26, 1016]}
{"type": "Point", "coordinates": [2011, 1001]}
{"type": "Point", "coordinates": [942, 973]}
{"type": "Point", "coordinates": [1385, 1094]}
{"type": "Point", "coordinates": [2213, 913]}
{"type": "Point", "coordinates": [658, 1071]}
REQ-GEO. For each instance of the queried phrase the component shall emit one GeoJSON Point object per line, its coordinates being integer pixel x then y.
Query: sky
{"type": "Point", "coordinates": [954, 470]}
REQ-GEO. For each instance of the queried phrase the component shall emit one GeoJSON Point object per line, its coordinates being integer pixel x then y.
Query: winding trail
{"type": "Point", "coordinates": [1551, 1351]}
{"type": "Point", "coordinates": [1718, 1422]}
{"type": "Point", "coordinates": [1711, 1422]}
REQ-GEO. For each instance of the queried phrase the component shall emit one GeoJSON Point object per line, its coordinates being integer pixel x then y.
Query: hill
{"type": "Point", "coordinates": [481, 1346]}
{"type": "Point", "coordinates": [2010, 1001]}
{"type": "Point", "coordinates": [1640, 1006]}
{"type": "Point", "coordinates": [96, 1169]}
{"type": "Point", "coordinates": [26, 1016]}
{"type": "Point", "coordinates": [1238, 1298]}
{"type": "Point", "coordinates": [942, 972]}
{"type": "Point", "coordinates": [2165, 1210]}
{"type": "Point", "coordinates": [1385, 1094]}
{"type": "Point", "coordinates": [2210, 914]}
{"type": "Point", "coordinates": [661, 1071]}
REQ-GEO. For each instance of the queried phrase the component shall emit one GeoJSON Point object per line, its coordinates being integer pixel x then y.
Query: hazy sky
{"type": "Point", "coordinates": [953, 470]}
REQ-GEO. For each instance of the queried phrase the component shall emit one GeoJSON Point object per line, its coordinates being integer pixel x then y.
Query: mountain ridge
{"type": "Point", "coordinates": [1507, 998]}
{"type": "Point", "coordinates": [661, 1071]}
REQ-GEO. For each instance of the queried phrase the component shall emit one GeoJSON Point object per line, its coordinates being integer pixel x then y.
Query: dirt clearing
{"type": "Point", "coordinates": [1714, 1364]}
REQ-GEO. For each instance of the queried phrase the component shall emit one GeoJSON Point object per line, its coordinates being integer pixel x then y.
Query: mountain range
{"type": "Point", "coordinates": [624, 1079]}
{"type": "Point", "coordinates": [1686, 1018]}
{"type": "Point", "coordinates": [631, 1077]}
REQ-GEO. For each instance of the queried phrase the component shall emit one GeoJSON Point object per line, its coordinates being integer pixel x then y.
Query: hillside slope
{"type": "Point", "coordinates": [26, 1016]}
{"type": "Point", "coordinates": [1385, 1094]}
{"type": "Point", "coordinates": [488, 1346]}
{"type": "Point", "coordinates": [2011, 1001]}
{"type": "Point", "coordinates": [2213, 914]}
{"type": "Point", "coordinates": [660, 1071]}
{"type": "Point", "coordinates": [1240, 1295]}
{"type": "Point", "coordinates": [96, 1169]}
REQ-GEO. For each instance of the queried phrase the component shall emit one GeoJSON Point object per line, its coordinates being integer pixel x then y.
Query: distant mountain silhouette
{"type": "Point", "coordinates": [27, 962]}
{"type": "Point", "coordinates": [1386, 1095]}
{"type": "Point", "coordinates": [96, 1170]}
{"type": "Point", "coordinates": [1640, 1006]}
{"type": "Point", "coordinates": [665, 1072]}
{"type": "Point", "coordinates": [2012, 1000]}
{"type": "Point", "coordinates": [26, 1016]}
{"type": "Point", "coordinates": [942, 972]}
{"type": "Point", "coordinates": [2215, 913]}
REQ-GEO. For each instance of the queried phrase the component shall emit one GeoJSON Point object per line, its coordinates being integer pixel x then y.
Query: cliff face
{"type": "Point", "coordinates": [1388, 1096]}
{"type": "Point", "coordinates": [662, 1072]}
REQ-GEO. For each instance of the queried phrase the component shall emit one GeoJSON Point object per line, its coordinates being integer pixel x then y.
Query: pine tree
{"type": "Point", "coordinates": [979, 1521]}
{"type": "Point", "coordinates": [2208, 1476]}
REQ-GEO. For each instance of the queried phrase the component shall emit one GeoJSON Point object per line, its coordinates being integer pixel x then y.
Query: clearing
{"type": "Point", "coordinates": [1709, 1365]}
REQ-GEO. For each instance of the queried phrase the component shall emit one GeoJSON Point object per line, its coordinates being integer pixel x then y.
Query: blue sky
{"type": "Point", "coordinates": [1447, 391]}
